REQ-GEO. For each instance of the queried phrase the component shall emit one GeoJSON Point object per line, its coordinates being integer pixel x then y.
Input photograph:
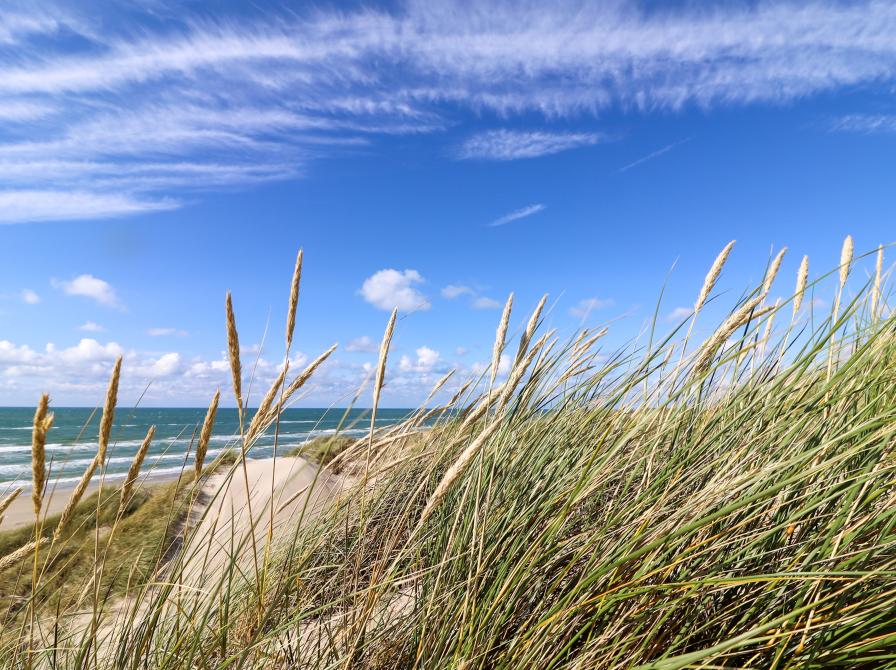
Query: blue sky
{"type": "Point", "coordinates": [155, 154]}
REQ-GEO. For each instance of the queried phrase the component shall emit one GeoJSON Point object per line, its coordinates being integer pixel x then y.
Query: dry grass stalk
{"type": "Point", "coordinates": [42, 422]}
{"type": "Point", "coordinates": [712, 276]}
{"type": "Point", "coordinates": [802, 276]}
{"type": "Point", "coordinates": [733, 322]}
{"type": "Point", "coordinates": [293, 301]}
{"type": "Point", "coordinates": [109, 411]}
{"type": "Point", "coordinates": [134, 470]}
{"type": "Point", "coordinates": [519, 370]}
{"type": "Point", "coordinates": [255, 426]}
{"type": "Point", "coordinates": [773, 271]}
{"type": "Point", "coordinates": [530, 329]}
{"type": "Point", "coordinates": [381, 364]}
{"type": "Point", "coordinates": [455, 471]}
{"type": "Point", "coordinates": [206, 433]}
{"type": "Point", "coordinates": [875, 291]}
{"type": "Point", "coordinates": [99, 458]}
{"type": "Point", "coordinates": [500, 337]}
{"type": "Point", "coordinates": [7, 501]}
{"type": "Point", "coordinates": [233, 350]}
{"type": "Point", "coordinates": [300, 381]}
{"type": "Point", "coordinates": [23, 552]}
{"type": "Point", "coordinates": [845, 260]}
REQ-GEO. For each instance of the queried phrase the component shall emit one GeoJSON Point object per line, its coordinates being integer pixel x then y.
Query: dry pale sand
{"type": "Point", "coordinates": [224, 528]}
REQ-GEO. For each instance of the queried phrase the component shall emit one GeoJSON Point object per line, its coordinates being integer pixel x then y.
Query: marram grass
{"type": "Point", "coordinates": [596, 509]}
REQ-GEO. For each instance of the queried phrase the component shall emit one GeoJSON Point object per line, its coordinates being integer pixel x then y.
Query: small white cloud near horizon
{"type": "Point", "coordinates": [164, 332]}
{"type": "Point", "coordinates": [484, 302]}
{"type": "Point", "coordinates": [506, 145]}
{"type": "Point", "coordinates": [584, 307]}
{"type": "Point", "coordinates": [426, 360]}
{"type": "Point", "coordinates": [390, 288]}
{"type": "Point", "coordinates": [453, 291]}
{"type": "Point", "coordinates": [362, 344]}
{"type": "Point", "coordinates": [88, 286]}
{"type": "Point", "coordinates": [518, 214]}
{"type": "Point", "coordinates": [679, 313]}
{"type": "Point", "coordinates": [91, 327]}
{"type": "Point", "coordinates": [30, 297]}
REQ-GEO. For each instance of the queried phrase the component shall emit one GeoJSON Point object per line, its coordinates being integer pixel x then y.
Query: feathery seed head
{"type": "Point", "coordinates": [233, 350]}
{"type": "Point", "coordinates": [875, 292]}
{"type": "Point", "coordinates": [293, 301]}
{"type": "Point", "coordinates": [206, 433]}
{"type": "Point", "coordinates": [42, 422]}
{"type": "Point", "coordinates": [134, 470]}
{"type": "Point", "coordinates": [773, 271]}
{"type": "Point", "coordinates": [500, 337]}
{"type": "Point", "coordinates": [109, 411]}
{"type": "Point", "coordinates": [845, 259]}
{"type": "Point", "coordinates": [712, 276]}
{"type": "Point", "coordinates": [802, 276]}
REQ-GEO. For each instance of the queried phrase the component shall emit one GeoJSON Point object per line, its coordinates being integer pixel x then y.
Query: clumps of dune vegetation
{"type": "Point", "coordinates": [671, 504]}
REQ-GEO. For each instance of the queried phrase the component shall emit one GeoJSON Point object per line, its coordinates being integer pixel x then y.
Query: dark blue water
{"type": "Point", "coordinates": [72, 441]}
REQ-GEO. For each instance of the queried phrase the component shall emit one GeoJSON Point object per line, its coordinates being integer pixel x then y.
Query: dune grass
{"type": "Point", "coordinates": [673, 504]}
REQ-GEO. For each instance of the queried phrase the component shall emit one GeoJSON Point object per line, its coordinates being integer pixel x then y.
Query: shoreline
{"type": "Point", "coordinates": [21, 512]}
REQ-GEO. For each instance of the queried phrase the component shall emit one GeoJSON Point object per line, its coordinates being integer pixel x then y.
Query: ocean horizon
{"type": "Point", "coordinates": [72, 441]}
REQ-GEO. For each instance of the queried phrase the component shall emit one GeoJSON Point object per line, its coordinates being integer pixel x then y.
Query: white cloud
{"type": "Point", "coordinates": [426, 361]}
{"type": "Point", "coordinates": [30, 297]}
{"type": "Point", "coordinates": [144, 120]}
{"type": "Point", "coordinates": [164, 332]}
{"type": "Point", "coordinates": [479, 368]}
{"type": "Point", "coordinates": [484, 302]}
{"type": "Point", "coordinates": [453, 291]}
{"type": "Point", "coordinates": [679, 313]}
{"type": "Point", "coordinates": [90, 287]}
{"type": "Point", "coordinates": [390, 288]}
{"type": "Point", "coordinates": [518, 214]}
{"type": "Point", "coordinates": [46, 205]}
{"type": "Point", "coordinates": [91, 327]}
{"type": "Point", "coordinates": [166, 365]}
{"type": "Point", "coordinates": [461, 351]}
{"type": "Point", "coordinates": [364, 344]}
{"type": "Point", "coordinates": [504, 145]}
{"type": "Point", "coordinates": [585, 307]}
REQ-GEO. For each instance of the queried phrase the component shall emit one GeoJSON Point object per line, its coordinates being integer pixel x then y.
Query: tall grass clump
{"type": "Point", "coordinates": [725, 505]}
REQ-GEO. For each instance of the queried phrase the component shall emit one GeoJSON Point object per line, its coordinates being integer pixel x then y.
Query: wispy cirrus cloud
{"type": "Point", "coordinates": [505, 145]}
{"type": "Point", "coordinates": [865, 123]}
{"type": "Point", "coordinates": [654, 154]}
{"type": "Point", "coordinates": [134, 117]}
{"type": "Point", "coordinates": [518, 214]}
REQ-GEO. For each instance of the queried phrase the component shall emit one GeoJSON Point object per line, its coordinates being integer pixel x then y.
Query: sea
{"type": "Point", "coordinates": [72, 441]}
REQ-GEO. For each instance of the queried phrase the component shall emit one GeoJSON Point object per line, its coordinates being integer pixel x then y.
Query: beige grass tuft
{"type": "Point", "coordinates": [7, 501]}
{"type": "Point", "coordinates": [233, 350]}
{"type": "Point", "coordinates": [713, 276]}
{"type": "Point", "coordinates": [500, 337]}
{"type": "Point", "coordinates": [845, 260]}
{"type": "Point", "coordinates": [134, 470]}
{"type": "Point", "coordinates": [206, 432]}
{"type": "Point", "coordinates": [773, 271]}
{"type": "Point", "coordinates": [42, 422]}
{"type": "Point", "coordinates": [740, 317]}
{"type": "Point", "coordinates": [293, 300]}
{"type": "Point", "coordinates": [802, 276]}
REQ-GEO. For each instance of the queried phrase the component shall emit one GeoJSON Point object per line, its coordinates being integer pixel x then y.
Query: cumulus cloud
{"type": "Point", "coordinates": [588, 305]}
{"type": "Point", "coordinates": [164, 332]}
{"type": "Point", "coordinates": [30, 297]}
{"type": "Point", "coordinates": [518, 214]}
{"type": "Point", "coordinates": [484, 302]}
{"type": "Point", "coordinates": [505, 145]}
{"type": "Point", "coordinates": [390, 288]}
{"type": "Point", "coordinates": [426, 360]}
{"type": "Point", "coordinates": [90, 287]}
{"type": "Point", "coordinates": [91, 327]}
{"type": "Point", "coordinates": [362, 344]}
{"type": "Point", "coordinates": [453, 291]}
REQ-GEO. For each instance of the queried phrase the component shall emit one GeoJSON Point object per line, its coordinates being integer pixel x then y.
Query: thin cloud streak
{"type": "Point", "coordinates": [518, 214]}
{"type": "Point", "coordinates": [656, 154]}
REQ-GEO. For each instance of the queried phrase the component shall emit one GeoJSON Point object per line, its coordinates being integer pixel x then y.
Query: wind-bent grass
{"type": "Point", "coordinates": [595, 510]}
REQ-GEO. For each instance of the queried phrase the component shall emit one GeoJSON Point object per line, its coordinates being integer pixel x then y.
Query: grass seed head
{"type": "Point", "coordinates": [712, 276]}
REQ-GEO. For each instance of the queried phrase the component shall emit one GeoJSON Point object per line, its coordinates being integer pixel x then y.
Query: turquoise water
{"type": "Point", "coordinates": [72, 442]}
